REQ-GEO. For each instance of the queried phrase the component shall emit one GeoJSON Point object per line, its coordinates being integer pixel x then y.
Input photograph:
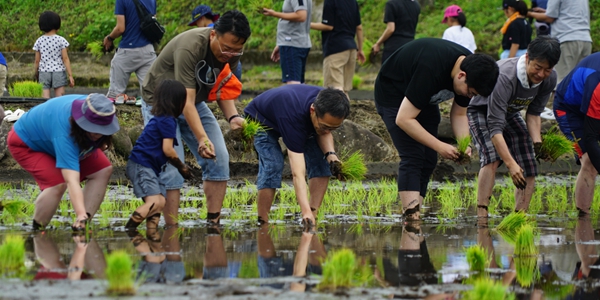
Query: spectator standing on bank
{"type": "Point", "coordinates": [135, 53]}
{"type": "Point", "coordinates": [571, 26]}
{"type": "Point", "coordinates": [340, 24]}
{"type": "Point", "coordinates": [52, 64]}
{"type": "Point", "coordinates": [516, 31]}
{"type": "Point", "coordinates": [201, 58]}
{"type": "Point", "coordinates": [293, 39]}
{"type": "Point", "coordinates": [541, 28]}
{"type": "Point", "coordinates": [3, 74]}
{"type": "Point", "coordinates": [401, 18]}
{"type": "Point", "coordinates": [457, 31]}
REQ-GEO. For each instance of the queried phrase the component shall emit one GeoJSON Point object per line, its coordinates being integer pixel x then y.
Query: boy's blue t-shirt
{"type": "Point", "coordinates": [133, 36]}
{"type": "Point", "coordinates": [148, 150]}
{"type": "Point", "coordinates": [2, 60]}
{"type": "Point", "coordinates": [46, 128]}
{"type": "Point", "coordinates": [286, 110]}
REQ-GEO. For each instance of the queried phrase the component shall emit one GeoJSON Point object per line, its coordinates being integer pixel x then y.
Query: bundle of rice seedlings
{"type": "Point", "coordinates": [554, 145]}
{"type": "Point", "coordinates": [12, 255]}
{"type": "Point", "coordinates": [527, 271]}
{"type": "Point", "coordinates": [258, 5]}
{"type": "Point", "coordinates": [525, 245]}
{"type": "Point", "coordinates": [367, 47]}
{"type": "Point", "coordinates": [477, 258]}
{"type": "Point", "coordinates": [353, 166]}
{"type": "Point", "coordinates": [488, 289]}
{"type": "Point", "coordinates": [250, 128]}
{"type": "Point", "coordinates": [27, 89]}
{"type": "Point", "coordinates": [462, 145]}
{"type": "Point", "coordinates": [13, 210]}
{"type": "Point", "coordinates": [510, 226]}
{"type": "Point", "coordinates": [356, 81]}
{"type": "Point", "coordinates": [119, 274]}
{"type": "Point", "coordinates": [342, 270]}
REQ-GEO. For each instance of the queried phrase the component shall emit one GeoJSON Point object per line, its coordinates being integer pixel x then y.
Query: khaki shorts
{"type": "Point", "coordinates": [571, 53]}
{"type": "Point", "coordinates": [3, 75]}
{"type": "Point", "coordinates": [338, 70]}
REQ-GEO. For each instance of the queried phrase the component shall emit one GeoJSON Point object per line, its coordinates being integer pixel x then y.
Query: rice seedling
{"type": "Point", "coordinates": [12, 256]}
{"type": "Point", "coordinates": [513, 222]}
{"type": "Point", "coordinates": [342, 270]}
{"type": "Point", "coordinates": [27, 89]}
{"type": "Point", "coordinates": [462, 144]}
{"type": "Point", "coordinates": [356, 81]}
{"type": "Point", "coordinates": [525, 245]}
{"type": "Point", "coordinates": [527, 271]}
{"type": "Point", "coordinates": [249, 268]}
{"type": "Point", "coordinates": [14, 211]}
{"type": "Point", "coordinates": [367, 50]}
{"type": "Point", "coordinates": [353, 166]}
{"type": "Point", "coordinates": [486, 288]}
{"type": "Point", "coordinates": [554, 144]}
{"type": "Point", "coordinates": [119, 274]}
{"type": "Point", "coordinates": [478, 258]}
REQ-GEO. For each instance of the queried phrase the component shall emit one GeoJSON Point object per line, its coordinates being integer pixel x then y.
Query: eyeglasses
{"type": "Point", "coordinates": [240, 53]}
{"type": "Point", "coordinates": [324, 127]}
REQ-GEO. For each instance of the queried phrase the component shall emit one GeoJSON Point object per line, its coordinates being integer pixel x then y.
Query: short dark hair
{"type": "Point", "coordinates": [482, 73]}
{"type": "Point", "coordinates": [462, 19]}
{"type": "Point", "coordinates": [169, 98]}
{"type": "Point", "coordinates": [49, 21]}
{"type": "Point", "coordinates": [545, 48]}
{"type": "Point", "coordinates": [82, 140]}
{"type": "Point", "coordinates": [234, 22]}
{"type": "Point", "coordinates": [332, 101]}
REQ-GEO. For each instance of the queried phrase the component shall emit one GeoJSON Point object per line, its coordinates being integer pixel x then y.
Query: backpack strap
{"type": "Point", "coordinates": [141, 10]}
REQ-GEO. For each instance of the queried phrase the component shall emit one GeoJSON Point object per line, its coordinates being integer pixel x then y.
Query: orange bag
{"type": "Point", "coordinates": [227, 86]}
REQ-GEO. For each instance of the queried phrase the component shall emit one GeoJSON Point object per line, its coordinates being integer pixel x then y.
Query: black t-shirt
{"type": "Point", "coordinates": [518, 32]}
{"type": "Point", "coordinates": [344, 16]}
{"type": "Point", "coordinates": [405, 15]}
{"type": "Point", "coordinates": [421, 71]}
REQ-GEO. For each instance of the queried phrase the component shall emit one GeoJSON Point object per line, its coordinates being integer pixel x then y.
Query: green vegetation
{"type": "Point", "coordinates": [527, 271]}
{"type": "Point", "coordinates": [462, 145]}
{"type": "Point", "coordinates": [510, 226]}
{"type": "Point", "coordinates": [353, 166]}
{"type": "Point", "coordinates": [249, 130]}
{"type": "Point", "coordinates": [27, 89]}
{"type": "Point", "coordinates": [342, 270]}
{"type": "Point", "coordinates": [525, 245]}
{"type": "Point", "coordinates": [477, 258]}
{"type": "Point", "coordinates": [554, 145]}
{"type": "Point", "coordinates": [12, 256]}
{"type": "Point", "coordinates": [488, 289]}
{"type": "Point", "coordinates": [119, 274]}
{"type": "Point", "coordinates": [356, 81]}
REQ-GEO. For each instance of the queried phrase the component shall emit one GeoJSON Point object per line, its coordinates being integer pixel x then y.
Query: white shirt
{"type": "Point", "coordinates": [462, 36]}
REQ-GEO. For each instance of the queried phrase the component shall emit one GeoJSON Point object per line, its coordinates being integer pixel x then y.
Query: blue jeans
{"type": "Point", "coordinates": [293, 63]}
{"type": "Point", "coordinates": [505, 53]}
{"type": "Point", "coordinates": [270, 160]}
{"type": "Point", "coordinates": [212, 169]}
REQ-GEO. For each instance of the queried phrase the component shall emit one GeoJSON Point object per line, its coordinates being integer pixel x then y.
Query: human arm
{"type": "Point", "coordinates": [540, 16]}
{"type": "Point", "coordinates": [390, 27]}
{"type": "Point", "coordinates": [320, 26]}
{"type": "Point", "coordinates": [72, 181]}
{"type": "Point", "coordinates": [460, 123]}
{"type": "Point", "coordinates": [171, 154]}
{"type": "Point", "coordinates": [67, 62]}
{"type": "Point", "coordinates": [229, 110]}
{"type": "Point", "coordinates": [534, 126]}
{"type": "Point", "coordinates": [516, 172]}
{"type": "Point", "coordinates": [275, 54]}
{"type": "Point", "coordinates": [193, 119]}
{"type": "Point", "coordinates": [325, 142]}
{"type": "Point", "coordinates": [407, 121]}
{"type": "Point", "coordinates": [298, 167]}
{"type": "Point", "coordinates": [513, 50]}
{"type": "Point", "coordinates": [360, 55]}
{"type": "Point", "coordinates": [297, 16]}
{"type": "Point", "coordinates": [115, 33]}
{"type": "Point", "coordinates": [36, 65]}
{"type": "Point", "coordinates": [78, 259]}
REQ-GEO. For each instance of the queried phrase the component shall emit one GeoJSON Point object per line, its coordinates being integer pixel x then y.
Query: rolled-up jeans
{"type": "Point", "coordinates": [216, 169]}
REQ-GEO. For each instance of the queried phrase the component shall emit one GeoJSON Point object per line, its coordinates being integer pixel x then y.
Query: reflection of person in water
{"type": "Point", "coordinates": [414, 264]}
{"type": "Point", "coordinates": [161, 259]}
{"type": "Point", "coordinates": [589, 265]}
{"type": "Point", "coordinates": [87, 256]}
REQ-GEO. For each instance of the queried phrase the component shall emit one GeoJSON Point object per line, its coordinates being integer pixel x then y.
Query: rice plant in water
{"type": "Point", "coordinates": [525, 245]}
{"type": "Point", "coordinates": [477, 258]}
{"type": "Point", "coordinates": [119, 274]}
{"type": "Point", "coordinates": [488, 289]}
{"type": "Point", "coordinates": [554, 144]}
{"type": "Point", "coordinates": [510, 226]}
{"type": "Point", "coordinates": [527, 271]}
{"type": "Point", "coordinates": [342, 270]}
{"type": "Point", "coordinates": [27, 89]}
{"type": "Point", "coordinates": [14, 211]}
{"type": "Point", "coordinates": [12, 256]}
{"type": "Point", "coordinates": [353, 166]}
{"type": "Point", "coordinates": [462, 145]}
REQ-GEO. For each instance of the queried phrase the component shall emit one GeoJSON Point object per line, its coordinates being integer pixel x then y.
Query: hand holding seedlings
{"type": "Point", "coordinates": [539, 153]}
{"type": "Point", "coordinates": [336, 169]}
{"type": "Point", "coordinates": [236, 122]}
{"type": "Point", "coordinates": [448, 151]}
{"type": "Point", "coordinates": [205, 149]}
{"type": "Point", "coordinates": [183, 169]}
{"type": "Point", "coordinates": [516, 173]}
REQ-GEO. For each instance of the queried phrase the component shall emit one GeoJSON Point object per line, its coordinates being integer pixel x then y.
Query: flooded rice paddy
{"type": "Point", "coordinates": [240, 260]}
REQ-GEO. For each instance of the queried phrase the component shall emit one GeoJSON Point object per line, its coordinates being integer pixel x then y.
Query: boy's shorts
{"type": "Point", "coordinates": [144, 180]}
{"type": "Point", "coordinates": [293, 63]}
{"type": "Point", "coordinates": [53, 80]}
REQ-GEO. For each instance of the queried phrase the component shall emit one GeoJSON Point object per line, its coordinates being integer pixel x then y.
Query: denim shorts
{"type": "Point", "coordinates": [53, 80]}
{"type": "Point", "coordinates": [293, 63]}
{"type": "Point", "coordinates": [270, 160]}
{"type": "Point", "coordinates": [212, 169]}
{"type": "Point", "coordinates": [144, 180]}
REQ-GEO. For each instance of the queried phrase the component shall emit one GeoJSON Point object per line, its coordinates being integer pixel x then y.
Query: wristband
{"type": "Point", "coordinates": [329, 153]}
{"type": "Point", "coordinates": [231, 118]}
{"type": "Point", "coordinates": [110, 38]}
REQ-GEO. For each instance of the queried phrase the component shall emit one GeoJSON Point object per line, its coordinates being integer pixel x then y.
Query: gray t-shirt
{"type": "Point", "coordinates": [572, 20]}
{"type": "Point", "coordinates": [510, 96]}
{"type": "Point", "coordinates": [295, 34]}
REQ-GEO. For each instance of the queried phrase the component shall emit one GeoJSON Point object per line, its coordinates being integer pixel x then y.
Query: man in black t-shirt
{"type": "Point", "coordinates": [426, 72]}
{"type": "Point", "coordinates": [401, 18]}
{"type": "Point", "coordinates": [340, 23]}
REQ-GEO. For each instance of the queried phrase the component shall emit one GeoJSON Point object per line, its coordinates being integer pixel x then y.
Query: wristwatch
{"type": "Point", "coordinates": [110, 38]}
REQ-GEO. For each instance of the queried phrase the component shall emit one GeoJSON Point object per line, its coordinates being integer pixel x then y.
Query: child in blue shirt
{"type": "Point", "coordinates": [152, 150]}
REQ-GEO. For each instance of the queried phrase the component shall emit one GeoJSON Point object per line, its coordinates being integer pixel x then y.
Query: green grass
{"type": "Point", "coordinates": [26, 89]}
{"type": "Point", "coordinates": [554, 145]}
{"type": "Point", "coordinates": [341, 269]}
{"type": "Point", "coordinates": [119, 274]}
{"type": "Point", "coordinates": [353, 166]}
{"type": "Point", "coordinates": [12, 256]}
{"type": "Point", "coordinates": [525, 244]}
{"type": "Point", "coordinates": [477, 257]}
{"type": "Point", "coordinates": [96, 49]}
{"type": "Point", "coordinates": [489, 290]}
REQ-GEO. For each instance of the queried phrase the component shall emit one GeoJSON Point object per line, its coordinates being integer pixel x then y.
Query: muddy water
{"type": "Point", "coordinates": [244, 261]}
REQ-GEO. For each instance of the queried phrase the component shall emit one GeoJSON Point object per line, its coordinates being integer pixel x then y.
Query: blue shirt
{"type": "Point", "coordinates": [581, 88]}
{"type": "Point", "coordinates": [2, 60]}
{"type": "Point", "coordinates": [148, 150]}
{"type": "Point", "coordinates": [286, 110]}
{"type": "Point", "coordinates": [133, 37]}
{"type": "Point", "coordinates": [46, 128]}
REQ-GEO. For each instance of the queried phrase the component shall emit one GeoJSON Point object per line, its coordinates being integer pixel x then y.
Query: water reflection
{"type": "Point", "coordinates": [587, 269]}
{"type": "Point", "coordinates": [161, 260]}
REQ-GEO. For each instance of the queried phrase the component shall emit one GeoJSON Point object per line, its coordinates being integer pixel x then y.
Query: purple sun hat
{"type": "Point", "coordinates": [95, 114]}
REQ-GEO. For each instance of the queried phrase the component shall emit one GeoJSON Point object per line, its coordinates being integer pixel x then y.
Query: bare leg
{"type": "Point", "coordinates": [485, 186]}
{"type": "Point", "coordinates": [410, 201]}
{"type": "Point", "coordinates": [47, 203]}
{"type": "Point", "coordinates": [215, 194]}
{"type": "Point", "coordinates": [584, 186]}
{"type": "Point", "coordinates": [95, 189]}
{"type": "Point", "coordinates": [46, 93]}
{"type": "Point", "coordinates": [523, 197]}
{"type": "Point", "coordinates": [266, 248]}
{"type": "Point", "coordinates": [59, 91]}
{"type": "Point", "coordinates": [264, 202]}
{"type": "Point", "coordinates": [171, 209]}
{"type": "Point", "coordinates": [94, 260]}
{"type": "Point", "coordinates": [47, 252]}
{"type": "Point", "coordinates": [317, 187]}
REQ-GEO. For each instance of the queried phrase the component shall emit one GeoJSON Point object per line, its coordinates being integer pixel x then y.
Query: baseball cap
{"type": "Point", "coordinates": [451, 11]}
{"type": "Point", "coordinates": [95, 114]}
{"type": "Point", "coordinates": [507, 3]}
{"type": "Point", "coordinates": [200, 11]}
